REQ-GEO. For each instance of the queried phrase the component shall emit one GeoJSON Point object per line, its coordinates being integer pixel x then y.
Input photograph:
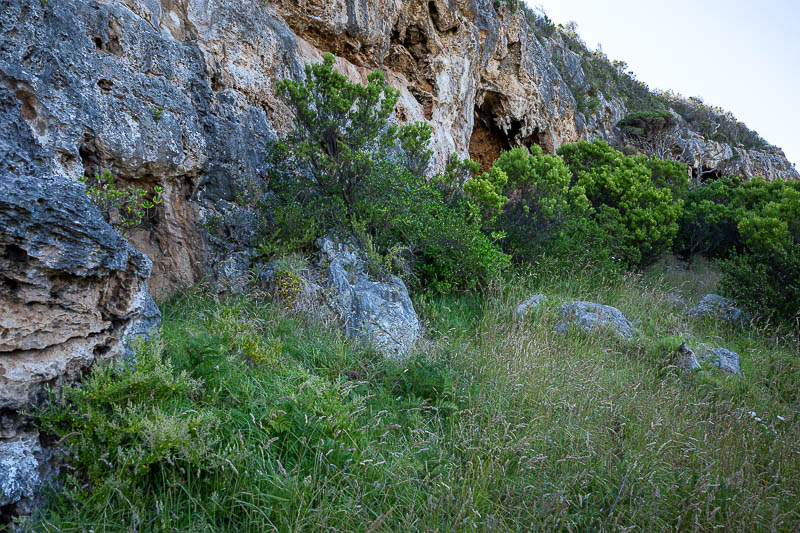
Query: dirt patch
{"type": "Point", "coordinates": [486, 145]}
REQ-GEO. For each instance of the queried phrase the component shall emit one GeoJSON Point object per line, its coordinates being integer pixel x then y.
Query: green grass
{"type": "Point", "coordinates": [246, 418]}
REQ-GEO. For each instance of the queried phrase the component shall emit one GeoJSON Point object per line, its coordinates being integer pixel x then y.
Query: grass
{"type": "Point", "coordinates": [244, 417]}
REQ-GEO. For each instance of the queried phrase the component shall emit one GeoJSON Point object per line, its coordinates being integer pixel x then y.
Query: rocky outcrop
{"type": "Point", "coordinates": [181, 94]}
{"type": "Point", "coordinates": [719, 308]}
{"type": "Point", "coordinates": [22, 468]}
{"type": "Point", "coordinates": [590, 317]}
{"type": "Point", "coordinates": [710, 158]}
{"type": "Point", "coordinates": [723, 359]}
{"type": "Point", "coordinates": [72, 292]}
{"type": "Point", "coordinates": [685, 359]}
{"type": "Point", "coordinates": [378, 312]}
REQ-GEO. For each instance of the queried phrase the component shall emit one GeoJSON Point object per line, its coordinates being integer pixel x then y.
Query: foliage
{"type": "Point", "coordinates": [652, 131]}
{"type": "Point", "coordinates": [544, 209]}
{"type": "Point", "coordinates": [636, 200]}
{"type": "Point", "coordinates": [244, 418]}
{"type": "Point", "coordinates": [157, 112]}
{"type": "Point", "coordinates": [333, 158]}
{"type": "Point", "coordinates": [452, 251]}
{"type": "Point", "coordinates": [513, 5]}
{"type": "Point", "coordinates": [755, 225]}
{"type": "Point", "coordinates": [123, 207]}
{"type": "Point", "coordinates": [709, 222]}
{"type": "Point", "coordinates": [346, 168]}
{"type": "Point", "coordinates": [766, 272]}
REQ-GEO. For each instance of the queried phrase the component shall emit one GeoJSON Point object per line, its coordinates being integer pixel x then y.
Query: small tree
{"type": "Point", "coordinates": [347, 167]}
{"type": "Point", "coordinates": [653, 132]}
{"type": "Point", "coordinates": [340, 137]}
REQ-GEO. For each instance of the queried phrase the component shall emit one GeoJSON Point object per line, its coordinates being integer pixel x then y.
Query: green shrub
{"type": "Point", "coordinates": [124, 208]}
{"type": "Point", "coordinates": [765, 275]}
{"type": "Point", "coordinates": [755, 227]}
{"type": "Point", "coordinates": [635, 199]}
{"type": "Point", "coordinates": [346, 169]}
{"type": "Point", "coordinates": [709, 222]}
{"type": "Point", "coordinates": [543, 208]}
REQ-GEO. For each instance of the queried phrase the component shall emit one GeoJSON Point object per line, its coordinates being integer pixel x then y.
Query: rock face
{"type": "Point", "coordinates": [718, 307]}
{"type": "Point", "coordinates": [379, 312]}
{"type": "Point", "coordinates": [72, 292]}
{"type": "Point", "coordinates": [590, 317]}
{"type": "Point", "coordinates": [181, 94]}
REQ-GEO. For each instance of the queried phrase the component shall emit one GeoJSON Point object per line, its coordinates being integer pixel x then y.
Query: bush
{"type": "Point", "coordinates": [543, 207]}
{"type": "Point", "coordinates": [124, 208]}
{"type": "Point", "coordinates": [708, 224]}
{"type": "Point", "coordinates": [765, 274]}
{"type": "Point", "coordinates": [636, 200]}
{"type": "Point", "coordinates": [346, 169]}
{"type": "Point", "coordinates": [755, 227]}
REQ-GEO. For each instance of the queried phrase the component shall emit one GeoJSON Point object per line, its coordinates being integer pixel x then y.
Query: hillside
{"type": "Point", "coordinates": [381, 266]}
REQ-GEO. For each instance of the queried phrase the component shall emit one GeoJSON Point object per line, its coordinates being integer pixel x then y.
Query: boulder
{"type": "Point", "coordinates": [723, 359]}
{"type": "Point", "coordinates": [72, 292]}
{"type": "Point", "coordinates": [717, 307]}
{"type": "Point", "coordinates": [530, 305]}
{"type": "Point", "coordinates": [591, 316]}
{"type": "Point", "coordinates": [379, 312]}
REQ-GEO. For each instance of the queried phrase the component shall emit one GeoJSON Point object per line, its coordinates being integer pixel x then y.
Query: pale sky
{"type": "Point", "coordinates": [741, 56]}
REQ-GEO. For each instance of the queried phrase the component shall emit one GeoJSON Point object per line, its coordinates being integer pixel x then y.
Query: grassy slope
{"type": "Point", "coordinates": [280, 424]}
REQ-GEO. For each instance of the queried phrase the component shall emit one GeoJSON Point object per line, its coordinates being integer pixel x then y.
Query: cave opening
{"type": "Point", "coordinates": [488, 141]}
{"type": "Point", "coordinates": [704, 174]}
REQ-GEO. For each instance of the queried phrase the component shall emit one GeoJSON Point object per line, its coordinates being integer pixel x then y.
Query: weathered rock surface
{"type": "Point", "coordinates": [182, 94]}
{"type": "Point", "coordinates": [379, 312]}
{"type": "Point", "coordinates": [718, 307]}
{"type": "Point", "coordinates": [591, 316]}
{"type": "Point", "coordinates": [686, 360]}
{"type": "Point", "coordinates": [20, 476]}
{"type": "Point", "coordinates": [72, 292]}
{"type": "Point", "coordinates": [530, 305]}
{"type": "Point", "coordinates": [723, 359]}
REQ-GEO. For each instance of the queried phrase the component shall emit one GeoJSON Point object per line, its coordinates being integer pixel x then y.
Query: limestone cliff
{"type": "Point", "coordinates": [83, 84]}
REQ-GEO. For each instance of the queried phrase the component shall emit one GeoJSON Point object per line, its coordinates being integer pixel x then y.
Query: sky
{"type": "Point", "coordinates": [741, 56]}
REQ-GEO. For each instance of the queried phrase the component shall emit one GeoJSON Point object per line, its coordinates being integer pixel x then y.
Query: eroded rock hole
{"type": "Point", "coordinates": [105, 85]}
{"type": "Point", "coordinates": [15, 254]}
{"type": "Point", "coordinates": [30, 111]}
{"type": "Point", "coordinates": [112, 43]}
{"type": "Point", "coordinates": [487, 141]}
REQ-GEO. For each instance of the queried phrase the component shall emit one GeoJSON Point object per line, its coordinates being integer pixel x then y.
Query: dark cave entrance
{"type": "Point", "coordinates": [488, 141]}
{"type": "Point", "coordinates": [705, 174]}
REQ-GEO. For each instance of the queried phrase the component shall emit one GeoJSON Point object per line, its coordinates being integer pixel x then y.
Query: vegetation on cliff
{"type": "Point", "coordinates": [247, 416]}
{"type": "Point", "coordinates": [612, 79]}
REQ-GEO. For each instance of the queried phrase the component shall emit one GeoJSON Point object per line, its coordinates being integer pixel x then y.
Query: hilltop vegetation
{"type": "Point", "coordinates": [613, 79]}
